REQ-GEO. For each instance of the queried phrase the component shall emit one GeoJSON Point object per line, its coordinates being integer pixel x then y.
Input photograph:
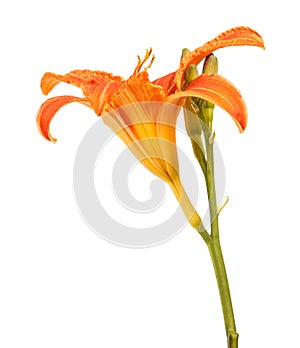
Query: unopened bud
{"type": "Point", "coordinates": [190, 74]}
{"type": "Point", "coordinates": [210, 65]}
{"type": "Point", "coordinates": [191, 118]}
{"type": "Point", "coordinates": [185, 51]}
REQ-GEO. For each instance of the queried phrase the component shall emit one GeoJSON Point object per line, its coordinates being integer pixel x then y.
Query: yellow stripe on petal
{"type": "Point", "coordinates": [100, 93]}
{"type": "Point", "coordinates": [142, 100]}
{"type": "Point", "coordinates": [217, 90]}
{"type": "Point", "coordinates": [166, 133]}
{"type": "Point", "coordinates": [144, 148]}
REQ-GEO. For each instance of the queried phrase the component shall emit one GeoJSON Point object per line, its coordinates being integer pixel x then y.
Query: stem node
{"type": "Point", "coordinates": [233, 340]}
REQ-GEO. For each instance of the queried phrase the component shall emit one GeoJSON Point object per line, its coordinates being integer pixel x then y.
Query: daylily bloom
{"type": "Point", "coordinates": [144, 113]}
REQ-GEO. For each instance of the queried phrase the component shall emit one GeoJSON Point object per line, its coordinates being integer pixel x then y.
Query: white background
{"type": "Point", "coordinates": [63, 286]}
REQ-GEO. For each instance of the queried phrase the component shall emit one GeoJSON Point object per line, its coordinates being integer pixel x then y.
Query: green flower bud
{"type": "Point", "coordinates": [210, 65]}
{"type": "Point", "coordinates": [185, 51]}
{"type": "Point", "coordinates": [190, 74]}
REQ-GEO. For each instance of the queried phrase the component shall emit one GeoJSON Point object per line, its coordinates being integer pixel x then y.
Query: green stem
{"type": "Point", "coordinates": [215, 250]}
{"type": "Point", "coordinates": [194, 128]}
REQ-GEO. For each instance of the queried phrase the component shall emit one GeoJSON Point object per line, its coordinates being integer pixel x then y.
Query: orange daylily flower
{"type": "Point", "coordinates": [144, 113]}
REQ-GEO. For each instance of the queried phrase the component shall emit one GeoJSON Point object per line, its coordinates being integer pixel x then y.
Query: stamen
{"type": "Point", "coordinates": [138, 67]}
{"type": "Point", "coordinates": [151, 62]}
{"type": "Point", "coordinates": [142, 62]}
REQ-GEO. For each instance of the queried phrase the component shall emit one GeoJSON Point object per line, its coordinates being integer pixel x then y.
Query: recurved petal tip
{"type": "Point", "coordinates": [49, 81]}
{"type": "Point", "coordinates": [238, 36]}
{"type": "Point", "coordinates": [48, 110]}
{"type": "Point", "coordinates": [217, 90]}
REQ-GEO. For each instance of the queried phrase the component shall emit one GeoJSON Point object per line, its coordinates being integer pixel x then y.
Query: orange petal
{"type": "Point", "coordinates": [239, 36]}
{"type": "Point", "coordinates": [167, 82]}
{"type": "Point", "coordinates": [76, 78]}
{"type": "Point", "coordinates": [100, 93]}
{"type": "Point", "coordinates": [217, 90]}
{"type": "Point", "coordinates": [166, 133]}
{"type": "Point", "coordinates": [185, 203]}
{"type": "Point", "coordinates": [49, 109]}
{"type": "Point", "coordinates": [135, 91]}
{"type": "Point", "coordinates": [155, 120]}
{"type": "Point", "coordinates": [142, 148]}
{"type": "Point", "coordinates": [137, 105]}
{"type": "Point", "coordinates": [138, 88]}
